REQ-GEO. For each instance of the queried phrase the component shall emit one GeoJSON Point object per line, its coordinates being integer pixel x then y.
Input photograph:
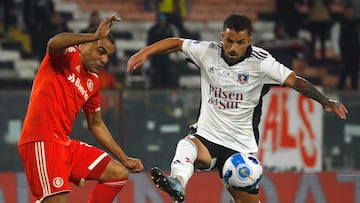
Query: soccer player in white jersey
{"type": "Point", "coordinates": [234, 77]}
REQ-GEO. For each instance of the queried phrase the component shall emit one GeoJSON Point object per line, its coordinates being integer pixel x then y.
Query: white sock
{"type": "Point", "coordinates": [182, 165]}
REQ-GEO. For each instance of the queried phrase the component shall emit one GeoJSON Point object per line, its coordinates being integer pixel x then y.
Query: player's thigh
{"type": "Point", "coordinates": [114, 170]}
{"type": "Point", "coordinates": [243, 197]}
{"type": "Point", "coordinates": [203, 160]}
{"type": "Point", "coordinates": [46, 168]}
{"type": "Point", "coordinates": [92, 163]}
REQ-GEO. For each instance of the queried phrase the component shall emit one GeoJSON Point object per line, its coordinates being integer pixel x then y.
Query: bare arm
{"type": "Point", "coordinates": [61, 41]}
{"type": "Point", "coordinates": [307, 89]}
{"type": "Point", "coordinates": [103, 136]}
{"type": "Point", "coordinates": [168, 45]}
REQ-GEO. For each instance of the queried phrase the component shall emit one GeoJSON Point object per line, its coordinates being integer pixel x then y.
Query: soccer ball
{"type": "Point", "coordinates": [242, 172]}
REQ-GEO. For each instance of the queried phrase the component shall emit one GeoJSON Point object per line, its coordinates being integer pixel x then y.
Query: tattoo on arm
{"type": "Point", "coordinates": [307, 89]}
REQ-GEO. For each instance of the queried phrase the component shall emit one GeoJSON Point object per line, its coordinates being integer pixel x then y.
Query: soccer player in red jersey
{"type": "Point", "coordinates": [66, 83]}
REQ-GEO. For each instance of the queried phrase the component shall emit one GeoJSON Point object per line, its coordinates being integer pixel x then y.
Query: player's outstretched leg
{"type": "Point", "coordinates": [170, 185]}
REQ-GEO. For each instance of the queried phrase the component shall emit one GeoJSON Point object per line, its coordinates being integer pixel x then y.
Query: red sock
{"type": "Point", "coordinates": [106, 191]}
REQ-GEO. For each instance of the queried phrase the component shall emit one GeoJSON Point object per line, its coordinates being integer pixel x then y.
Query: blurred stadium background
{"type": "Point", "coordinates": [309, 156]}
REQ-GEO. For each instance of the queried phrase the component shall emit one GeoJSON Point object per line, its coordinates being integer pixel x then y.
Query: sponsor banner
{"type": "Point", "coordinates": [290, 132]}
{"type": "Point", "coordinates": [295, 187]}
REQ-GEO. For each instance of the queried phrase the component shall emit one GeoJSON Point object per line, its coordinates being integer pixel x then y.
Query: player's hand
{"type": "Point", "coordinates": [136, 61]}
{"type": "Point", "coordinates": [337, 107]}
{"type": "Point", "coordinates": [104, 27]}
{"type": "Point", "coordinates": [133, 165]}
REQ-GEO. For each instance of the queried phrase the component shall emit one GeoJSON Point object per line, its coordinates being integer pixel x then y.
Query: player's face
{"type": "Point", "coordinates": [95, 55]}
{"type": "Point", "coordinates": [235, 44]}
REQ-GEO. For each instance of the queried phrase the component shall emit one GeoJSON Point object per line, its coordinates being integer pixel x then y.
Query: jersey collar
{"type": "Point", "coordinates": [247, 54]}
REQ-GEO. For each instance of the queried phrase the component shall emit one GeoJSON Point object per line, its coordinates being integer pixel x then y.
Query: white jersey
{"type": "Point", "coordinates": [230, 94]}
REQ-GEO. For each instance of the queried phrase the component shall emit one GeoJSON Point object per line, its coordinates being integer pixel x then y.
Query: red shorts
{"type": "Point", "coordinates": [50, 167]}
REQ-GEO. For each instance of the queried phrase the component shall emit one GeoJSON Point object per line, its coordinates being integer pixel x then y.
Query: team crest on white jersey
{"type": "Point", "coordinates": [243, 78]}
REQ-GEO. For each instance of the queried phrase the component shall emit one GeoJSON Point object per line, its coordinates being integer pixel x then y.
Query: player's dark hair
{"type": "Point", "coordinates": [109, 37]}
{"type": "Point", "coordinates": [237, 23]}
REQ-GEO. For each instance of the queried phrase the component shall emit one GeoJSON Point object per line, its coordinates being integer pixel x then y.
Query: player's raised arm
{"type": "Point", "coordinates": [61, 41]}
{"type": "Point", "coordinates": [168, 45]}
{"type": "Point", "coordinates": [307, 89]}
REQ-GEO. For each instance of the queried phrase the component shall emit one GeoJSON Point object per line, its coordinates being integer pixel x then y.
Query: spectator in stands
{"type": "Point", "coordinates": [281, 32]}
{"type": "Point", "coordinates": [9, 14]}
{"type": "Point", "coordinates": [290, 14]}
{"type": "Point", "coordinates": [175, 11]}
{"type": "Point", "coordinates": [94, 21]}
{"type": "Point", "coordinates": [148, 5]}
{"type": "Point", "coordinates": [319, 24]}
{"type": "Point", "coordinates": [37, 15]}
{"type": "Point", "coordinates": [349, 43]}
{"type": "Point", "coordinates": [336, 9]}
{"type": "Point", "coordinates": [57, 25]}
{"type": "Point", "coordinates": [108, 80]}
{"type": "Point", "coordinates": [161, 64]}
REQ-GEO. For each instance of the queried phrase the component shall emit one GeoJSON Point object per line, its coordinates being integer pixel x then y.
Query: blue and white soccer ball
{"type": "Point", "coordinates": [242, 171]}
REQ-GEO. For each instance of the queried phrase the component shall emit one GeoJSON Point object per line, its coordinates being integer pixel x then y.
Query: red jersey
{"type": "Point", "coordinates": [61, 88]}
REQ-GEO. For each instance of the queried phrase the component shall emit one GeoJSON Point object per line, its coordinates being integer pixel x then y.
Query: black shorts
{"type": "Point", "coordinates": [221, 154]}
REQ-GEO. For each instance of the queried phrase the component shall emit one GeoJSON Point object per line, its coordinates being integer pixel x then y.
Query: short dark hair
{"type": "Point", "coordinates": [237, 23]}
{"type": "Point", "coordinates": [110, 36]}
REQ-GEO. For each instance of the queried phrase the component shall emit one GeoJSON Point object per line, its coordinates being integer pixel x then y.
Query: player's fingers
{"type": "Point", "coordinates": [132, 66]}
{"type": "Point", "coordinates": [133, 69]}
{"type": "Point", "coordinates": [116, 18]}
{"type": "Point", "coordinates": [341, 111]}
{"type": "Point", "coordinates": [135, 66]}
{"type": "Point", "coordinates": [113, 17]}
{"type": "Point", "coordinates": [137, 169]}
{"type": "Point", "coordinates": [107, 20]}
{"type": "Point", "coordinates": [342, 116]}
{"type": "Point", "coordinates": [344, 108]}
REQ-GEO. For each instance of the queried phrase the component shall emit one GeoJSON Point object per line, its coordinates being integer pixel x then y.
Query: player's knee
{"type": "Point", "coordinates": [115, 176]}
{"type": "Point", "coordinates": [114, 170]}
{"type": "Point", "coordinates": [120, 172]}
